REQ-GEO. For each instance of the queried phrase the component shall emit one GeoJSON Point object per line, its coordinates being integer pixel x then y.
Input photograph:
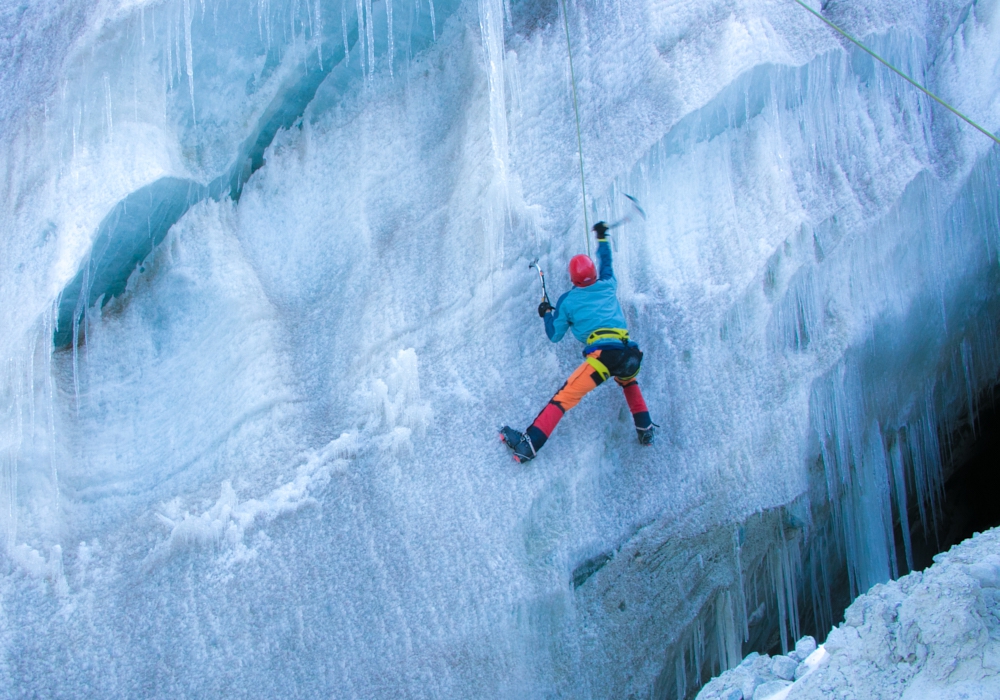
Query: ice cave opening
{"type": "Point", "coordinates": [971, 485]}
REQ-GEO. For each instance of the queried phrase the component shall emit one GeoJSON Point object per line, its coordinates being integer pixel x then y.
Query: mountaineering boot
{"type": "Point", "coordinates": [520, 443]}
{"type": "Point", "coordinates": [646, 435]}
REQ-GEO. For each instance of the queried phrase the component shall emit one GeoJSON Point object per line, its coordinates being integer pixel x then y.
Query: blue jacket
{"type": "Point", "coordinates": [585, 309]}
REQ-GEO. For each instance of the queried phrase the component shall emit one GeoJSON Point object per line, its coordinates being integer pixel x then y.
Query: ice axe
{"type": "Point", "coordinates": [628, 217]}
{"type": "Point", "coordinates": [541, 276]}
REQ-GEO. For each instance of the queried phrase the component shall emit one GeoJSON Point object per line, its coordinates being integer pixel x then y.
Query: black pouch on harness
{"type": "Point", "coordinates": [623, 362]}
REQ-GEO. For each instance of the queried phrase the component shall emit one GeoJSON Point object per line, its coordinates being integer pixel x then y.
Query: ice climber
{"type": "Point", "coordinates": [592, 311]}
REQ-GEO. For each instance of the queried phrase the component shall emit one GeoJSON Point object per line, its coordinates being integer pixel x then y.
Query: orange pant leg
{"type": "Point", "coordinates": [583, 380]}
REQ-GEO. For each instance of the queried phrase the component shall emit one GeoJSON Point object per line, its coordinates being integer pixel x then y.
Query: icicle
{"type": "Point", "coordinates": [50, 402]}
{"type": "Point", "coordinates": [777, 582]}
{"type": "Point", "coordinates": [727, 637]}
{"type": "Point", "coordinates": [967, 374]}
{"type": "Point", "coordinates": [362, 35]}
{"type": "Point", "coordinates": [819, 584]}
{"type": "Point", "coordinates": [370, 33]}
{"type": "Point", "coordinates": [434, 34]}
{"type": "Point", "coordinates": [931, 450]}
{"type": "Point", "coordinates": [267, 26]}
{"type": "Point", "coordinates": [899, 485]}
{"type": "Point", "coordinates": [388, 19]}
{"type": "Point", "coordinates": [915, 453]}
{"type": "Point", "coordinates": [343, 26]}
{"type": "Point", "coordinates": [827, 588]}
{"type": "Point", "coordinates": [318, 33]}
{"type": "Point", "coordinates": [170, 54]}
{"type": "Point", "coordinates": [189, 57]}
{"type": "Point", "coordinates": [177, 49]}
{"type": "Point", "coordinates": [107, 108]}
{"type": "Point", "coordinates": [791, 566]}
{"type": "Point", "coordinates": [882, 555]}
{"type": "Point", "coordinates": [498, 211]}
{"type": "Point", "coordinates": [78, 312]}
{"type": "Point", "coordinates": [698, 643]}
{"type": "Point", "coordinates": [738, 547]}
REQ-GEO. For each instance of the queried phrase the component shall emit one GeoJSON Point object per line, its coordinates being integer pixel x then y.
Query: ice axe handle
{"type": "Point", "coordinates": [541, 276]}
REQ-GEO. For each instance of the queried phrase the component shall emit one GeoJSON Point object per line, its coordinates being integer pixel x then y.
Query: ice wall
{"type": "Point", "coordinates": [139, 222]}
{"type": "Point", "coordinates": [266, 462]}
{"type": "Point", "coordinates": [880, 293]}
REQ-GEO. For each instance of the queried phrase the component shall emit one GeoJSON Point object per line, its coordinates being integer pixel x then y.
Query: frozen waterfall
{"type": "Point", "coordinates": [266, 300]}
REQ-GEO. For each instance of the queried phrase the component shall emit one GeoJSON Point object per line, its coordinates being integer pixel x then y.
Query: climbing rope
{"type": "Point", "coordinates": [579, 137]}
{"type": "Point", "coordinates": [898, 72]}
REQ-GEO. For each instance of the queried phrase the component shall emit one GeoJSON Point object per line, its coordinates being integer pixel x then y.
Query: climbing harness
{"type": "Point", "coordinates": [608, 334]}
{"type": "Point", "coordinates": [898, 72]}
{"type": "Point", "coordinates": [601, 369]}
{"type": "Point", "coordinates": [579, 137]}
{"type": "Point", "coordinates": [622, 362]}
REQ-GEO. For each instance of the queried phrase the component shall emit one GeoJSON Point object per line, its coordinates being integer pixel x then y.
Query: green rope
{"type": "Point", "coordinates": [579, 138]}
{"type": "Point", "coordinates": [898, 72]}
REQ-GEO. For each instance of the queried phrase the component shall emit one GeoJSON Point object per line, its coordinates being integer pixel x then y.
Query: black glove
{"type": "Point", "coordinates": [601, 229]}
{"type": "Point", "coordinates": [544, 308]}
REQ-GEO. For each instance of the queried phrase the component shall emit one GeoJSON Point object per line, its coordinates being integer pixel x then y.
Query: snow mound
{"type": "Point", "coordinates": [228, 519]}
{"type": "Point", "coordinates": [930, 634]}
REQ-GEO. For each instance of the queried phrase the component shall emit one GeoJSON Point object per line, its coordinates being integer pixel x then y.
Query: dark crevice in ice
{"type": "Point", "coordinates": [972, 485]}
{"type": "Point", "coordinates": [589, 567]}
{"type": "Point", "coordinates": [125, 237]}
{"type": "Point", "coordinates": [971, 505]}
{"type": "Point", "coordinates": [282, 113]}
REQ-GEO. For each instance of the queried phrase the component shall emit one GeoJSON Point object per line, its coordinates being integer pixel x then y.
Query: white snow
{"type": "Point", "coordinates": [929, 634]}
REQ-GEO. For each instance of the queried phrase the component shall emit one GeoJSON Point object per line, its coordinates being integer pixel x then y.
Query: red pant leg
{"type": "Point", "coordinates": [636, 404]}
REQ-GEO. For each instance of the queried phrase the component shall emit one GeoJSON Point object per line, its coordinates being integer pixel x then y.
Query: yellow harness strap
{"type": "Point", "coordinates": [608, 334]}
{"type": "Point", "coordinates": [626, 380]}
{"type": "Point", "coordinates": [599, 366]}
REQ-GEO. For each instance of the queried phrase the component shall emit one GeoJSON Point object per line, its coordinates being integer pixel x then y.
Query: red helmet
{"type": "Point", "coordinates": [582, 271]}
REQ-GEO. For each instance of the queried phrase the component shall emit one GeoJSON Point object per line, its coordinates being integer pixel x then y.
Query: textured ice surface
{"type": "Point", "coordinates": [269, 466]}
{"type": "Point", "coordinates": [929, 634]}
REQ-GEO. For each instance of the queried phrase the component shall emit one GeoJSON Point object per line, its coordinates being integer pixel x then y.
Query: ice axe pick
{"type": "Point", "coordinates": [628, 217]}
{"type": "Point", "coordinates": [541, 276]}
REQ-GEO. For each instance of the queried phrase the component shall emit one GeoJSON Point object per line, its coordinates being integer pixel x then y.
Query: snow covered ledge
{"type": "Point", "coordinates": [930, 634]}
